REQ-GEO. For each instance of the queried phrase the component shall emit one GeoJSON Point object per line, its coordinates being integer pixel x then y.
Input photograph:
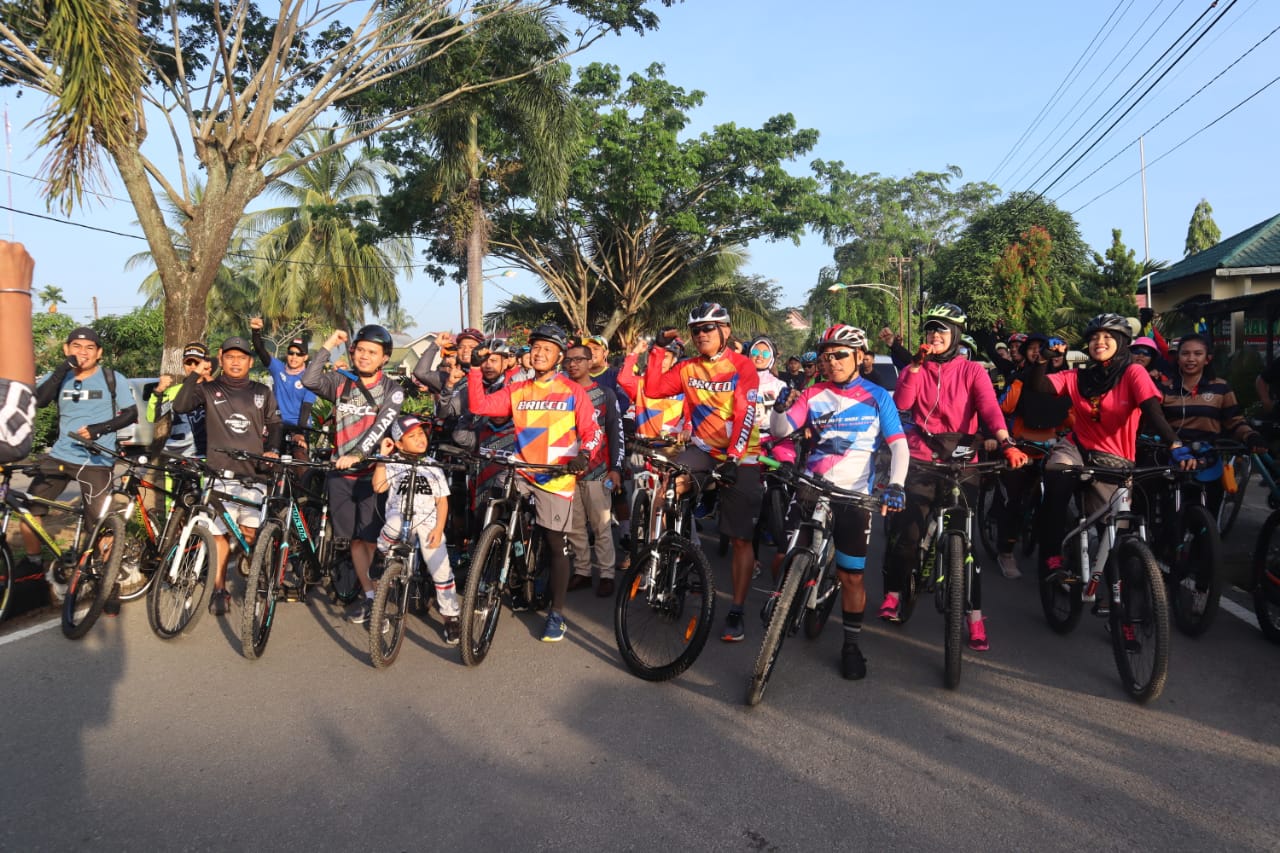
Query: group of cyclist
{"type": "Point", "coordinates": [561, 405]}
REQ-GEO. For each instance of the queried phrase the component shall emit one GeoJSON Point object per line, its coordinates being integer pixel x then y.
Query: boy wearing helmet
{"type": "Point", "coordinates": [554, 424]}
{"type": "Point", "coordinates": [366, 402]}
{"type": "Point", "coordinates": [851, 417]}
{"type": "Point", "coordinates": [720, 388]}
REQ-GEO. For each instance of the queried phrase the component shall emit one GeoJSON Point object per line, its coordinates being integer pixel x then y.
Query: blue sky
{"type": "Point", "coordinates": [893, 88]}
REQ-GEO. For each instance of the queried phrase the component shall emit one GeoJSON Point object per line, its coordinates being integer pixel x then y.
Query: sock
{"type": "Point", "coordinates": [736, 608]}
{"type": "Point", "coordinates": [975, 615]}
{"type": "Point", "coordinates": [369, 595]}
{"type": "Point", "coordinates": [852, 627]}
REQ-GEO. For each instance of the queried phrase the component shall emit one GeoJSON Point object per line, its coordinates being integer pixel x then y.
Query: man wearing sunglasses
{"type": "Point", "coordinates": [293, 399]}
{"type": "Point", "coordinates": [720, 387]}
{"type": "Point", "coordinates": [90, 408]}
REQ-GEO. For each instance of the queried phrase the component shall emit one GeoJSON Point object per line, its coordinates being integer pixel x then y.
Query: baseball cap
{"type": "Point", "coordinates": [404, 425]}
{"type": "Point", "coordinates": [237, 342]}
{"type": "Point", "coordinates": [597, 340]}
{"type": "Point", "coordinates": [298, 344]}
{"type": "Point", "coordinates": [195, 349]}
{"type": "Point", "coordinates": [84, 333]}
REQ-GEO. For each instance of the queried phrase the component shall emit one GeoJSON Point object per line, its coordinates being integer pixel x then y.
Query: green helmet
{"type": "Point", "coordinates": [947, 313]}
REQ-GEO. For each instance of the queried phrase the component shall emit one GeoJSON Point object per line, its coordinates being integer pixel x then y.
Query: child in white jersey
{"type": "Point", "coordinates": [430, 511]}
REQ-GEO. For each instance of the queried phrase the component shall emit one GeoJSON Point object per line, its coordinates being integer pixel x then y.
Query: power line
{"type": "Point", "coordinates": [1179, 145]}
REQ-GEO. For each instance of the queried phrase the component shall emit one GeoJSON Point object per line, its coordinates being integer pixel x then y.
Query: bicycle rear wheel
{"type": "Point", "coordinates": [173, 604]}
{"type": "Point", "coordinates": [270, 552]}
{"type": "Point", "coordinates": [1140, 622]}
{"type": "Point", "coordinates": [1229, 509]}
{"type": "Point", "coordinates": [482, 598]}
{"type": "Point", "coordinates": [798, 567]}
{"type": "Point", "coordinates": [6, 579]}
{"type": "Point", "coordinates": [953, 638]}
{"type": "Point", "coordinates": [1194, 584]}
{"type": "Point", "coordinates": [96, 574]}
{"type": "Point", "coordinates": [1062, 597]}
{"type": "Point", "coordinates": [386, 624]}
{"type": "Point", "coordinates": [641, 505]}
{"type": "Point", "coordinates": [1266, 578]}
{"type": "Point", "coordinates": [663, 609]}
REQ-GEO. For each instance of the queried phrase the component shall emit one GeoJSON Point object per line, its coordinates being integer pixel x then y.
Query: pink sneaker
{"type": "Point", "coordinates": [978, 636]}
{"type": "Point", "coordinates": [889, 610]}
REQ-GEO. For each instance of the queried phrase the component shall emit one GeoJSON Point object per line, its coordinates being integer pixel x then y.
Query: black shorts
{"type": "Point", "coordinates": [52, 477]}
{"type": "Point", "coordinates": [355, 509]}
{"type": "Point", "coordinates": [739, 503]}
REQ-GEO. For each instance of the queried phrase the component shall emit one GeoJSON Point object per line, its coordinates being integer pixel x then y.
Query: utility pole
{"type": "Point", "coordinates": [95, 308]}
{"type": "Point", "coordinates": [900, 262]}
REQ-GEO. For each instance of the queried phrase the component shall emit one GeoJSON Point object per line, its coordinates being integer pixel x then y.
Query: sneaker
{"type": "Point", "coordinates": [555, 628]}
{"type": "Point", "coordinates": [890, 609]}
{"type": "Point", "coordinates": [1009, 566]}
{"type": "Point", "coordinates": [519, 604]}
{"type": "Point", "coordinates": [978, 636]}
{"type": "Point", "coordinates": [733, 632]}
{"type": "Point", "coordinates": [363, 612]}
{"type": "Point", "coordinates": [853, 665]}
{"type": "Point", "coordinates": [579, 582]}
{"type": "Point", "coordinates": [452, 631]}
{"type": "Point", "coordinates": [220, 602]}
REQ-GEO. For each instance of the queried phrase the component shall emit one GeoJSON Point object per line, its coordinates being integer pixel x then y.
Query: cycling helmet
{"type": "Point", "coordinates": [1112, 323]}
{"type": "Point", "coordinates": [676, 348]}
{"type": "Point", "coordinates": [767, 341]}
{"type": "Point", "coordinates": [809, 359]}
{"type": "Point", "coordinates": [1017, 338]}
{"type": "Point", "coordinates": [497, 346]}
{"type": "Point", "coordinates": [969, 342]}
{"type": "Point", "coordinates": [470, 334]}
{"type": "Point", "coordinates": [551, 333]}
{"type": "Point", "coordinates": [709, 312]}
{"type": "Point", "coordinates": [946, 312]}
{"type": "Point", "coordinates": [843, 335]}
{"type": "Point", "coordinates": [374, 334]}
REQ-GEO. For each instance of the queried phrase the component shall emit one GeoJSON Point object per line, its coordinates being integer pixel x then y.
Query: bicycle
{"type": "Point", "coordinates": [296, 537]}
{"type": "Point", "coordinates": [1266, 553]}
{"type": "Point", "coordinates": [173, 604]}
{"type": "Point", "coordinates": [91, 564]}
{"type": "Point", "coordinates": [665, 601]}
{"type": "Point", "coordinates": [1134, 601]}
{"type": "Point", "coordinates": [993, 501]}
{"type": "Point", "coordinates": [809, 567]}
{"type": "Point", "coordinates": [508, 558]}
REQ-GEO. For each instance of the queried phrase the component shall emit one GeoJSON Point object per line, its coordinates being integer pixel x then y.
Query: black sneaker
{"type": "Point", "coordinates": [363, 612]}
{"type": "Point", "coordinates": [220, 602]}
{"type": "Point", "coordinates": [733, 632]}
{"type": "Point", "coordinates": [452, 631]}
{"type": "Point", "coordinates": [853, 665]}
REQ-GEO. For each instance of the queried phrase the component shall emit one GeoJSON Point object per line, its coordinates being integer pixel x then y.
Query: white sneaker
{"type": "Point", "coordinates": [1009, 566]}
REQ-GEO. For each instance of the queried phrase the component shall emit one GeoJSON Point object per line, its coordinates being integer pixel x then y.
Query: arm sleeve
{"type": "Point", "coordinates": [189, 396]}
{"type": "Point", "coordinates": [628, 381]}
{"type": "Point", "coordinates": [899, 461]}
{"type": "Point", "coordinates": [124, 417]}
{"type": "Point", "coordinates": [260, 347]}
{"type": "Point", "coordinates": [658, 383]}
{"type": "Point", "coordinates": [1035, 379]}
{"type": "Point", "coordinates": [1155, 417]}
{"type": "Point", "coordinates": [315, 379]}
{"type": "Point", "coordinates": [422, 370]}
{"type": "Point", "coordinates": [47, 391]}
{"type": "Point", "coordinates": [744, 409]}
{"type": "Point", "coordinates": [272, 421]}
{"type": "Point", "coordinates": [496, 403]}
{"type": "Point", "coordinates": [782, 424]}
{"type": "Point", "coordinates": [897, 352]}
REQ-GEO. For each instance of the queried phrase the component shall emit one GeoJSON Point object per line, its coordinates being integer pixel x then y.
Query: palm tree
{"type": "Point", "coordinates": [51, 296]}
{"type": "Point", "coordinates": [311, 254]}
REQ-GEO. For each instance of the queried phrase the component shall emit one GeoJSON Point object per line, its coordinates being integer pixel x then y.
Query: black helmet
{"type": "Point", "coordinates": [549, 332]}
{"type": "Point", "coordinates": [1113, 323]}
{"type": "Point", "coordinates": [709, 312]}
{"type": "Point", "coordinates": [375, 334]}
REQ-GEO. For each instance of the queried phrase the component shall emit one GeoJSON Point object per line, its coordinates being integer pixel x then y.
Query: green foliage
{"type": "Point", "coordinates": [966, 269]}
{"type": "Point", "coordinates": [48, 334]}
{"type": "Point", "coordinates": [1116, 279]}
{"type": "Point", "coordinates": [1022, 276]}
{"type": "Point", "coordinates": [132, 343]}
{"type": "Point", "coordinates": [1202, 232]}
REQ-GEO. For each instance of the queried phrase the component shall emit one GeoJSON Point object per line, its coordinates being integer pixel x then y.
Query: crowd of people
{"type": "Point", "coordinates": [560, 400]}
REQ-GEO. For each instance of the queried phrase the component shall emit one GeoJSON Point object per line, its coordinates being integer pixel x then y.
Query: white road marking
{"type": "Point", "coordinates": [1241, 613]}
{"type": "Point", "coordinates": [27, 632]}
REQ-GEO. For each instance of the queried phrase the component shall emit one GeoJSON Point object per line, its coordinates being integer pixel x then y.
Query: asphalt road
{"type": "Point", "coordinates": [123, 741]}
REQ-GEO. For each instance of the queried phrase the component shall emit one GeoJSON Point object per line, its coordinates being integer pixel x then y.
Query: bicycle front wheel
{"type": "Point", "coordinates": [386, 624]}
{"type": "Point", "coordinates": [640, 511]}
{"type": "Point", "coordinates": [828, 591]}
{"type": "Point", "coordinates": [1140, 622]}
{"type": "Point", "coordinates": [1194, 583]}
{"type": "Point", "coordinates": [1061, 593]}
{"type": "Point", "coordinates": [798, 567]}
{"type": "Point", "coordinates": [482, 598]}
{"type": "Point", "coordinates": [270, 551]}
{"type": "Point", "coordinates": [173, 604]}
{"type": "Point", "coordinates": [6, 579]}
{"type": "Point", "coordinates": [1266, 578]}
{"type": "Point", "coordinates": [953, 640]}
{"type": "Point", "coordinates": [663, 609]}
{"type": "Point", "coordinates": [96, 574]}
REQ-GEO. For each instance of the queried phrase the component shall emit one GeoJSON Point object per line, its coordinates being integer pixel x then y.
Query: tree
{"type": "Point", "coordinates": [51, 296]}
{"type": "Point", "coordinates": [1202, 231]}
{"type": "Point", "coordinates": [966, 269]}
{"type": "Point", "coordinates": [132, 342]}
{"type": "Point", "coordinates": [1021, 274]}
{"type": "Point", "coordinates": [645, 205]}
{"type": "Point", "coordinates": [397, 320]}
{"type": "Point", "coordinates": [240, 87]}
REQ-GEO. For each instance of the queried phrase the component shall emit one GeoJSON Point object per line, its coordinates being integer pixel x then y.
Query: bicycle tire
{"type": "Point", "coordinates": [660, 631]}
{"type": "Point", "coordinates": [1266, 578]}
{"type": "Point", "coordinates": [1143, 662]}
{"type": "Point", "coordinates": [6, 578]}
{"type": "Point", "coordinates": [174, 602]}
{"type": "Point", "coordinates": [537, 568]}
{"type": "Point", "coordinates": [260, 597]}
{"type": "Point", "coordinates": [797, 569]}
{"type": "Point", "coordinates": [1062, 601]}
{"type": "Point", "coordinates": [773, 514]}
{"type": "Point", "coordinates": [93, 578]}
{"type": "Point", "coordinates": [1031, 526]}
{"type": "Point", "coordinates": [953, 638]}
{"type": "Point", "coordinates": [640, 506]}
{"type": "Point", "coordinates": [482, 597]}
{"type": "Point", "coordinates": [137, 566]}
{"type": "Point", "coordinates": [389, 604]}
{"type": "Point", "coordinates": [1195, 586]}
{"type": "Point", "coordinates": [829, 592]}
{"type": "Point", "coordinates": [344, 583]}
{"type": "Point", "coordinates": [990, 504]}
{"type": "Point", "coordinates": [1229, 509]}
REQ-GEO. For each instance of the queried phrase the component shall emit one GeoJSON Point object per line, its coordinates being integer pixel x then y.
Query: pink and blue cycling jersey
{"type": "Point", "coordinates": [849, 422]}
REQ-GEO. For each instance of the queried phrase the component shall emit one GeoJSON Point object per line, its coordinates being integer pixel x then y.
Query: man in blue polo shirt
{"type": "Point", "coordinates": [286, 383]}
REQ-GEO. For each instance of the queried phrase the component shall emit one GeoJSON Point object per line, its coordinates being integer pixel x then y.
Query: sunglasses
{"type": "Point", "coordinates": [761, 353]}
{"type": "Point", "coordinates": [191, 362]}
{"type": "Point", "coordinates": [76, 388]}
{"type": "Point", "coordinates": [295, 352]}
{"type": "Point", "coordinates": [935, 327]}
{"type": "Point", "coordinates": [704, 329]}
{"type": "Point", "coordinates": [836, 355]}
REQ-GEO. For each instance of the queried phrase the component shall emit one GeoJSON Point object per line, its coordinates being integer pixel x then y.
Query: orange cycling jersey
{"type": "Point", "coordinates": [720, 395]}
{"type": "Point", "coordinates": [655, 417]}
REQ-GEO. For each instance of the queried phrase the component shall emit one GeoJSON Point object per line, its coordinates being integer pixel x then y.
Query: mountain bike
{"type": "Point", "coordinates": [665, 601]}
{"type": "Point", "coordinates": [807, 586]}
{"type": "Point", "coordinates": [1107, 550]}
{"type": "Point", "coordinates": [993, 503]}
{"type": "Point", "coordinates": [508, 558]}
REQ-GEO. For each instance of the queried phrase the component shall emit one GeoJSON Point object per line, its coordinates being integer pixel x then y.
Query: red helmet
{"type": "Point", "coordinates": [1017, 338]}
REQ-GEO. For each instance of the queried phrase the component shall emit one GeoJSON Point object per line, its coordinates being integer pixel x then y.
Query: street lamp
{"type": "Point", "coordinates": [462, 320]}
{"type": "Point", "coordinates": [884, 288]}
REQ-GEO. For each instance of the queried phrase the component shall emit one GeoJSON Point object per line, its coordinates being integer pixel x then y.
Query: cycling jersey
{"type": "Point", "coordinates": [655, 417]}
{"type": "Point", "coordinates": [608, 454]}
{"type": "Point", "coordinates": [553, 420]}
{"type": "Point", "coordinates": [238, 415]}
{"type": "Point", "coordinates": [721, 393]}
{"type": "Point", "coordinates": [362, 416]}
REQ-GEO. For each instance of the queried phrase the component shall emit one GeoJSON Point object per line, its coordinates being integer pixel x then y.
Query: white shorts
{"type": "Point", "coordinates": [245, 516]}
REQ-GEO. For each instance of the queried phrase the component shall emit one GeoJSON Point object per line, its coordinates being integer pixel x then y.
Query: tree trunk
{"type": "Point", "coordinates": [476, 233]}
